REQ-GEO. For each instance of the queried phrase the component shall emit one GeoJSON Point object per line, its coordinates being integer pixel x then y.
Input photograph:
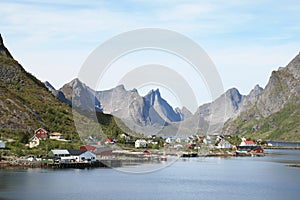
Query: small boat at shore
{"type": "Point", "coordinates": [249, 151]}
{"type": "Point", "coordinates": [163, 157]}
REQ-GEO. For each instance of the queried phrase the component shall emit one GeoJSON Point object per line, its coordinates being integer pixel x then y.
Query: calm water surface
{"type": "Point", "coordinates": [244, 178]}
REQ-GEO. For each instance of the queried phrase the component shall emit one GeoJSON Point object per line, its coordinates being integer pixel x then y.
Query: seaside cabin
{"type": "Point", "coordinates": [34, 142]}
{"type": "Point", "coordinates": [247, 142]}
{"type": "Point", "coordinates": [140, 143]}
{"type": "Point", "coordinates": [59, 153]}
{"type": "Point", "coordinates": [223, 144]}
{"type": "Point", "coordinates": [56, 136]}
{"type": "Point", "coordinates": [255, 150]}
{"type": "Point", "coordinates": [41, 133]}
{"type": "Point", "coordinates": [82, 155]}
{"type": "Point", "coordinates": [2, 144]}
{"type": "Point", "coordinates": [73, 155]}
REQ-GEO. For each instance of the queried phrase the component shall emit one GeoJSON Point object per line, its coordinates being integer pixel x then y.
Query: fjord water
{"type": "Point", "coordinates": [245, 178]}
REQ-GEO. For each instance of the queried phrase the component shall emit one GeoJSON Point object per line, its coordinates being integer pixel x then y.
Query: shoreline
{"type": "Point", "coordinates": [18, 163]}
{"type": "Point", "coordinates": [282, 147]}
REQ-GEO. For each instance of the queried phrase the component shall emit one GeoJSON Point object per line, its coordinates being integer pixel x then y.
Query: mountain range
{"type": "Point", "coordinates": [231, 113]}
{"type": "Point", "coordinates": [276, 112]}
{"type": "Point", "coordinates": [26, 104]}
{"type": "Point", "coordinates": [152, 113]}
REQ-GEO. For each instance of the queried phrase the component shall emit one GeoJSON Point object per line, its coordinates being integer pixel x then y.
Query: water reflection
{"type": "Point", "coordinates": [194, 178]}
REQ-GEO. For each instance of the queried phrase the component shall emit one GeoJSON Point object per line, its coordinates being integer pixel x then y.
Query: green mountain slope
{"type": "Point", "coordinates": [276, 114]}
{"type": "Point", "coordinates": [26, 105]}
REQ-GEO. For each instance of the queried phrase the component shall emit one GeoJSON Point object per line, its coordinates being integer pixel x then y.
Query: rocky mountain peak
{"type": "Point", "coordinates": [184, 112]}
{"type": "Point", "coordinates": [153, 96]}
{"type": "Point", "coordinates": [282, 88]}
{"type": "Point", "coordinates": [235, 97]}
{"type": "Point", "coordinates": [120, 87]}
{"type": "Point", "coordinates": [293, 67]}
{"type": "Point", "coordinates": [154, 92]}
{"type": "Point", "coordinates": [3, 50]}
{"type": "Point", "coordinates": [255, 91]}
{"type": "Point", "coordinates": [76, 83]}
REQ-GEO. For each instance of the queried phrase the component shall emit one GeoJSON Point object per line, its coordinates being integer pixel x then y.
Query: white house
{"type": "Point", "coordinates": [140, 143]}
{"type": "Point", "coordinates": [2, 144]}
{"type": "Point", "coordinates": [247, 142]}
{"type": "Point", "coordinates": [169, 140]}
{"type": "Point", "coordinates": [82, 155]}
{"type": "Point", "coordinates": [56, 136]}
{"type": "Point", "coordinates": [34, 142]}
{"type": "Point", "coordinates": [125, 136]}
{"type": "Point", "coordinates": [223, 144]}
{"type": "Point", "coordinates": [178, 140]}
{"type": "Point", "coordinates": [60, 152]}
{"type": "Point", "coordinates": [74, 155]}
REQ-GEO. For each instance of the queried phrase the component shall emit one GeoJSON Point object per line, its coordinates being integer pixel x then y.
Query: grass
{"type": "Point", "coordinates": [283, 125]}
{"type": "Point", "coordinates": [28, 105]}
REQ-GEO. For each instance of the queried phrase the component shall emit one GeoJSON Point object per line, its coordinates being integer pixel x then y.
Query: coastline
{"type": "Point", "coordinates": [21, 163]}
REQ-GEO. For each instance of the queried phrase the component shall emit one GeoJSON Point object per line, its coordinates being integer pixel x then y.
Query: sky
{"type": "Point", "coordinates": [246, 40]}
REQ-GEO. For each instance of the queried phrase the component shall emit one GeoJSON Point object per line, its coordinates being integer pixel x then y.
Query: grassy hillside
{"type": "Point", "coordinates": [26, 105]}
{"type": "Point", "coordinates": [283, 125]}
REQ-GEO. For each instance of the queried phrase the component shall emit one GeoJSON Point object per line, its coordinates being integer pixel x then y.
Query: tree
{"type": "Point", "coordinates": [25, 138]}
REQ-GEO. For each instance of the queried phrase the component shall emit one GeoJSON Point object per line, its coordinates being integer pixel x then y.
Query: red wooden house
{"type": "Point", "coordinates": [41, 133]}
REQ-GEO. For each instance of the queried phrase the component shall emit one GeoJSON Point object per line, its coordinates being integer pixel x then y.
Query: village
{"type": "Point", "coordinates": [126, 149]}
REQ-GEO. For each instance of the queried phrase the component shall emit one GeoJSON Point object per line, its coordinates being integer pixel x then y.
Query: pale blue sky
{"type": "Point", "coordinates": [245, 39]}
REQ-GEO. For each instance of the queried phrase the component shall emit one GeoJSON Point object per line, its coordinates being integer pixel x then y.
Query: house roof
{"type": "Point", "coordinates": [41, 129]}
{"type": "Point", "coordinates": [60, 151]}
{"type": "Point", "coordinates": [249, 142]}
{"type": "Point", "coordinates": [76, 152]}
{"type": "Point", "coordinates": [88, 147]}
{"type": "Point", "coordinates": [224, 142]}
{"type": "Point", "coordinates": [55, 134]}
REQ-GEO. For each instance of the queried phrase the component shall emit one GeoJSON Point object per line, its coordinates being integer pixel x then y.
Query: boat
{"type": "Point", "coordinates": [163, 157]}
{"type": "Point", "coordinates": [249, 151]}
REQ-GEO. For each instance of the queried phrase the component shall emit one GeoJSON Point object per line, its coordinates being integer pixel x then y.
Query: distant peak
{"type": "Point", "coordinates": [257, 88]}
{"type": "Point", "coordinates": [232, 91]}
{"type": "Point", "coordinates": [120, 87]}
{"type": "Point", "coordinates": [3, 50]}
{"type": "Point", "coordinates": [255, 92]}
{"type": "Point", "coordinates": [134, 90]}
{"type": "Point", "coordinates": [154, 92]}
{"type": "Point", "coordinates": [75, 81]}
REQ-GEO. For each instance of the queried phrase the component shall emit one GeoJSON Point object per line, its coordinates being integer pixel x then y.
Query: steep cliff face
{"type": "Point", "coordinates": [161, 107]}
{"type": "Point", "coordinates": [3, 50]}
{"type": "Point", "coordinates": [151, 110]}
{"type": "Point", "coordinates": [282, 88]}
{"type": "Point", "coordinates": [227, 107]}
{"type": "Point", "coordinates": [25, 102]}
{"type": "Point", "coordinates": [275, 114]}
{"type": "Point", "coordinates": [57, 93]}
{"type": "Point", "coordinates": [81, 96]}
